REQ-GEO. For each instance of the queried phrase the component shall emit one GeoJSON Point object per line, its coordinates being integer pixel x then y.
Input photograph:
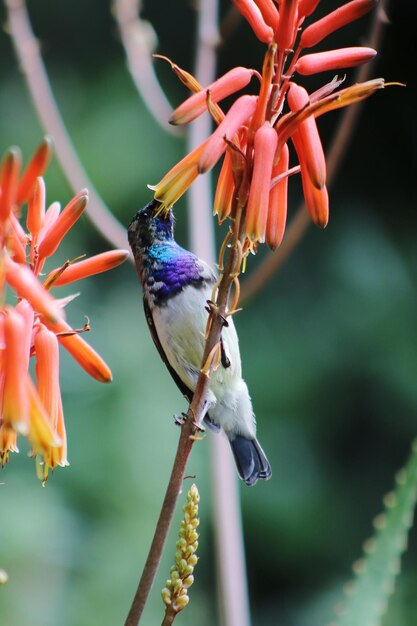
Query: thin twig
{"type": "Point", "coordinates": [263, 273]}
{"type": "Point", "coordinates": [139, 39]}
{"type": "Point", "coordinates": [230, 557]}
{"type": "Point", "coordinates": [28, 52]}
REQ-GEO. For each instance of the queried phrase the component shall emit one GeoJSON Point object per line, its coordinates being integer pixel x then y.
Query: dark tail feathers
{"type": "Point", "coordinates": [251, 461]}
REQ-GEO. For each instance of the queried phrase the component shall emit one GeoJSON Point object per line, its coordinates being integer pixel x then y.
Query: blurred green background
{"type": "Point", "coordinates": [329, 352]}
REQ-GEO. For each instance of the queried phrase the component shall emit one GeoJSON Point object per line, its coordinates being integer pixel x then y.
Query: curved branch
{"type": "Point", "coordinates": [138, 41]}
{"type": "Point", "coordinates": [28, 53]}
{"type": "Point", "coordinates": [263, 273]}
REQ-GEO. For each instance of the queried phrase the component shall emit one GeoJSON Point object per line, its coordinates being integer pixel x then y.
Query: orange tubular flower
{"type": "Point", "coordinates": [195, 105]}
{"type": "Point", "coordinates": [288, 23]}
{"type": "Point", "coordinates": [333, 60]}
{"type": "Point", "coordinates": [239, 114]}
{"type": "Point", "coordinates": [252, 13]}
{"type": "Point", "coordinates": [345, 14]}
{"type": "Point", "coordinates": [307, 7]}
{"type": "Point", "coordinates": [257, 212]}
{"type": "Point", "coordinates": [35, 326]}
{"type": "Point", "coordinates": [277, 209]}
{"type": "Point", "coordinates": [224, 190]}
{"type": "Point", "coordinates": [36, 167]}
{"type": "Point", "coordinates": [309, 138]}
{"type": "Point", "coordinates": [269, 13]}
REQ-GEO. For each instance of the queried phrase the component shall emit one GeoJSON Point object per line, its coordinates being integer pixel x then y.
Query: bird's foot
{"type": "Point", "coordinates": [180, 419]}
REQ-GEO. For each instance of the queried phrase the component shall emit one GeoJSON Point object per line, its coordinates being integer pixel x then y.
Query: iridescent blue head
{"type": "Point", "coordinates": [147, 227]}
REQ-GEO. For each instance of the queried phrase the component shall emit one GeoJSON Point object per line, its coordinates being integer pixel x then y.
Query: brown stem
{"type": "Point", "coordinates": [263, 273]}
{"type": "Point", "coordinates": [189, 429]}
{"type": "Point", "coordinates": [28, 52]}
{"type": "Point", "coordinates": [169, 616]}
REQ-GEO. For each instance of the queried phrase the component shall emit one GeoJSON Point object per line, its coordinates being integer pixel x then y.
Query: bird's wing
{"type": "Point", "coordinates": [181, 386]}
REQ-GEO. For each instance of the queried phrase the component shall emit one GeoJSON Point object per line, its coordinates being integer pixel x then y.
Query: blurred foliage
{"type": "Point", "coordinates": [329, 353]}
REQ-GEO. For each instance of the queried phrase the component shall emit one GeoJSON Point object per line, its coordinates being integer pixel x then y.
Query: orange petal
{"type": "Point", "coordinates": [269, 12]}
{"type": "Point", "coordinates": [268, 69]}
{"type": "Point", "coordinates": [309, 141]}
{"type": "Point", "coordinates": [195, 105]}
{"type": "Point", "coordinates": [288, 24]}
{"type": "Point", "coordinates": [15, 366]}
{"type": "Point", "coordinates": [36, 207]}
{"type": "Point", "coordinates": [94, 265]}
{"type": "Point", "coordinates": [9, 176]}
{"type": "Point", "coordinates": [317, 200]}
{"type": "Point", "coordinates": [17, 240]}
{"type": "Point", "coordinates": [257, 210]}
{"type": "Point", "coordinates": [307, 7]}
{"type": "Point", "coordinates": [8, 443]}
{"type": "Point", "coordinates": [81, 351]}
{"type": "Point", "coordinates": [36, 167]}
{"type": "Point", "coordinates": [277, 208]}
{"type": "Point", "coordinates": [62, 225]}
{"type": "Point", "coordinates": [224, 190]}
{"type": "Point", "coordinates": [239, 114]}
{"type": "Point", "coordinates": [42, 435]}
{"type": "Point", "coordinates": [253, 15]}
{"type": "Point", "coordinates": [333, 59]}
{"type": "Point", "coordinates": [26, 285]}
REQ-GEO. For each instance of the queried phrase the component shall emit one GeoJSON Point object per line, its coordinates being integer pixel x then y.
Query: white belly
{"type": "Point", "coordinates": [181, 325]}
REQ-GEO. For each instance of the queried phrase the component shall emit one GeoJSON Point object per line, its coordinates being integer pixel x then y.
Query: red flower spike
{"type": "Point", "coordinates": [309, 139]}
{"type": "Point", "coordinates": [81, 351]}
{"type": "Point", "coordinates": [307, 7]}
{"type": "Point", "coordinates": [345, 14]}
{"type": "Point", "coordinates": [333, 59]}
{"type": "Point", "coordinates": [9, 176]}
{"type": "Point", "coordinates": [253, 15]}
{"type": "Point", "coordinates": [265, 144]}
{"type": "Point", "coordinates": [36, 208]}
{"type": "Point", "coordinates": [36, 167]}
{"type": "Point", "coordinates": [15, 413]}
{"type": "Point", "coordinates": [224, 190]}
{"type": "Point", "coordinates": [195, 105]}
{"type": "Point", "coordinates": [269, 13]}
{"type": "Point", "coordinates": [26, 285]}
{"type": "Point", "coordinates": [89, 267]}
{"type": "Point", "coordinates": [277, 209]}
{"type": "Point", "coordinates": [63, 224]}
{"type": "Point", "coordinates": [288, 24]}
{"type": "Point", "coordinates": [239, 114]}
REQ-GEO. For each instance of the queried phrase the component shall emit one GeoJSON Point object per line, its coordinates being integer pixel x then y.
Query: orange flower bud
{"type": "Point", "coordinates": [333, 59]}
{"type": "Point", "coordinates": [36, 207]}
{"type": "Point", "coordinates": [88, 267]}
{"type": "Point", "coordinates": [288, 24]}
{"type": "Point", "coordinates": [17, 240]}
{"type": "Point", "coordinates": [70, 214]}
{"type": "Point", "coordinates": [223, 87]}
{"type": "Point", "coordinates": [345, 14]}
{"type": "Point", "coordinates": [316, 199]}
{"type": "Point", "coordinates": [26, 285]}
{"type": "Point", "coordinates": [309, 139]}
{"type": "Point", "coordinates": [224, 190]}
{"type": "Point", "coordinates": [81, 351]}
{"type": "Point", "coordinates": [253, 15]}
{"type": "Point", "coordinates": [277, 207]}
{"type": "Point", "coordinates": [36, 167]}
{"type": "Point", "coordinates": [269, 12]}
{"type": "Point", "coordinates": [9, 176]}
{"type": "Point", "coordinates": [265, 144]}
{"type": "Point", "coordinates": [239, 114]}
{"type": "Point", "coordinates": [307, 7]}
{"type": "Point", "coordinates": [268, 69]}
{"type": "Point", "coordinates": [15, 412]}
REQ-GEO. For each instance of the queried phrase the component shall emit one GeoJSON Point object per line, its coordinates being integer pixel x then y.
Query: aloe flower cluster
{"type": "Point", "coordinates": [253, 137]}
{"type": "Point", "coordinates": [32, 320]}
